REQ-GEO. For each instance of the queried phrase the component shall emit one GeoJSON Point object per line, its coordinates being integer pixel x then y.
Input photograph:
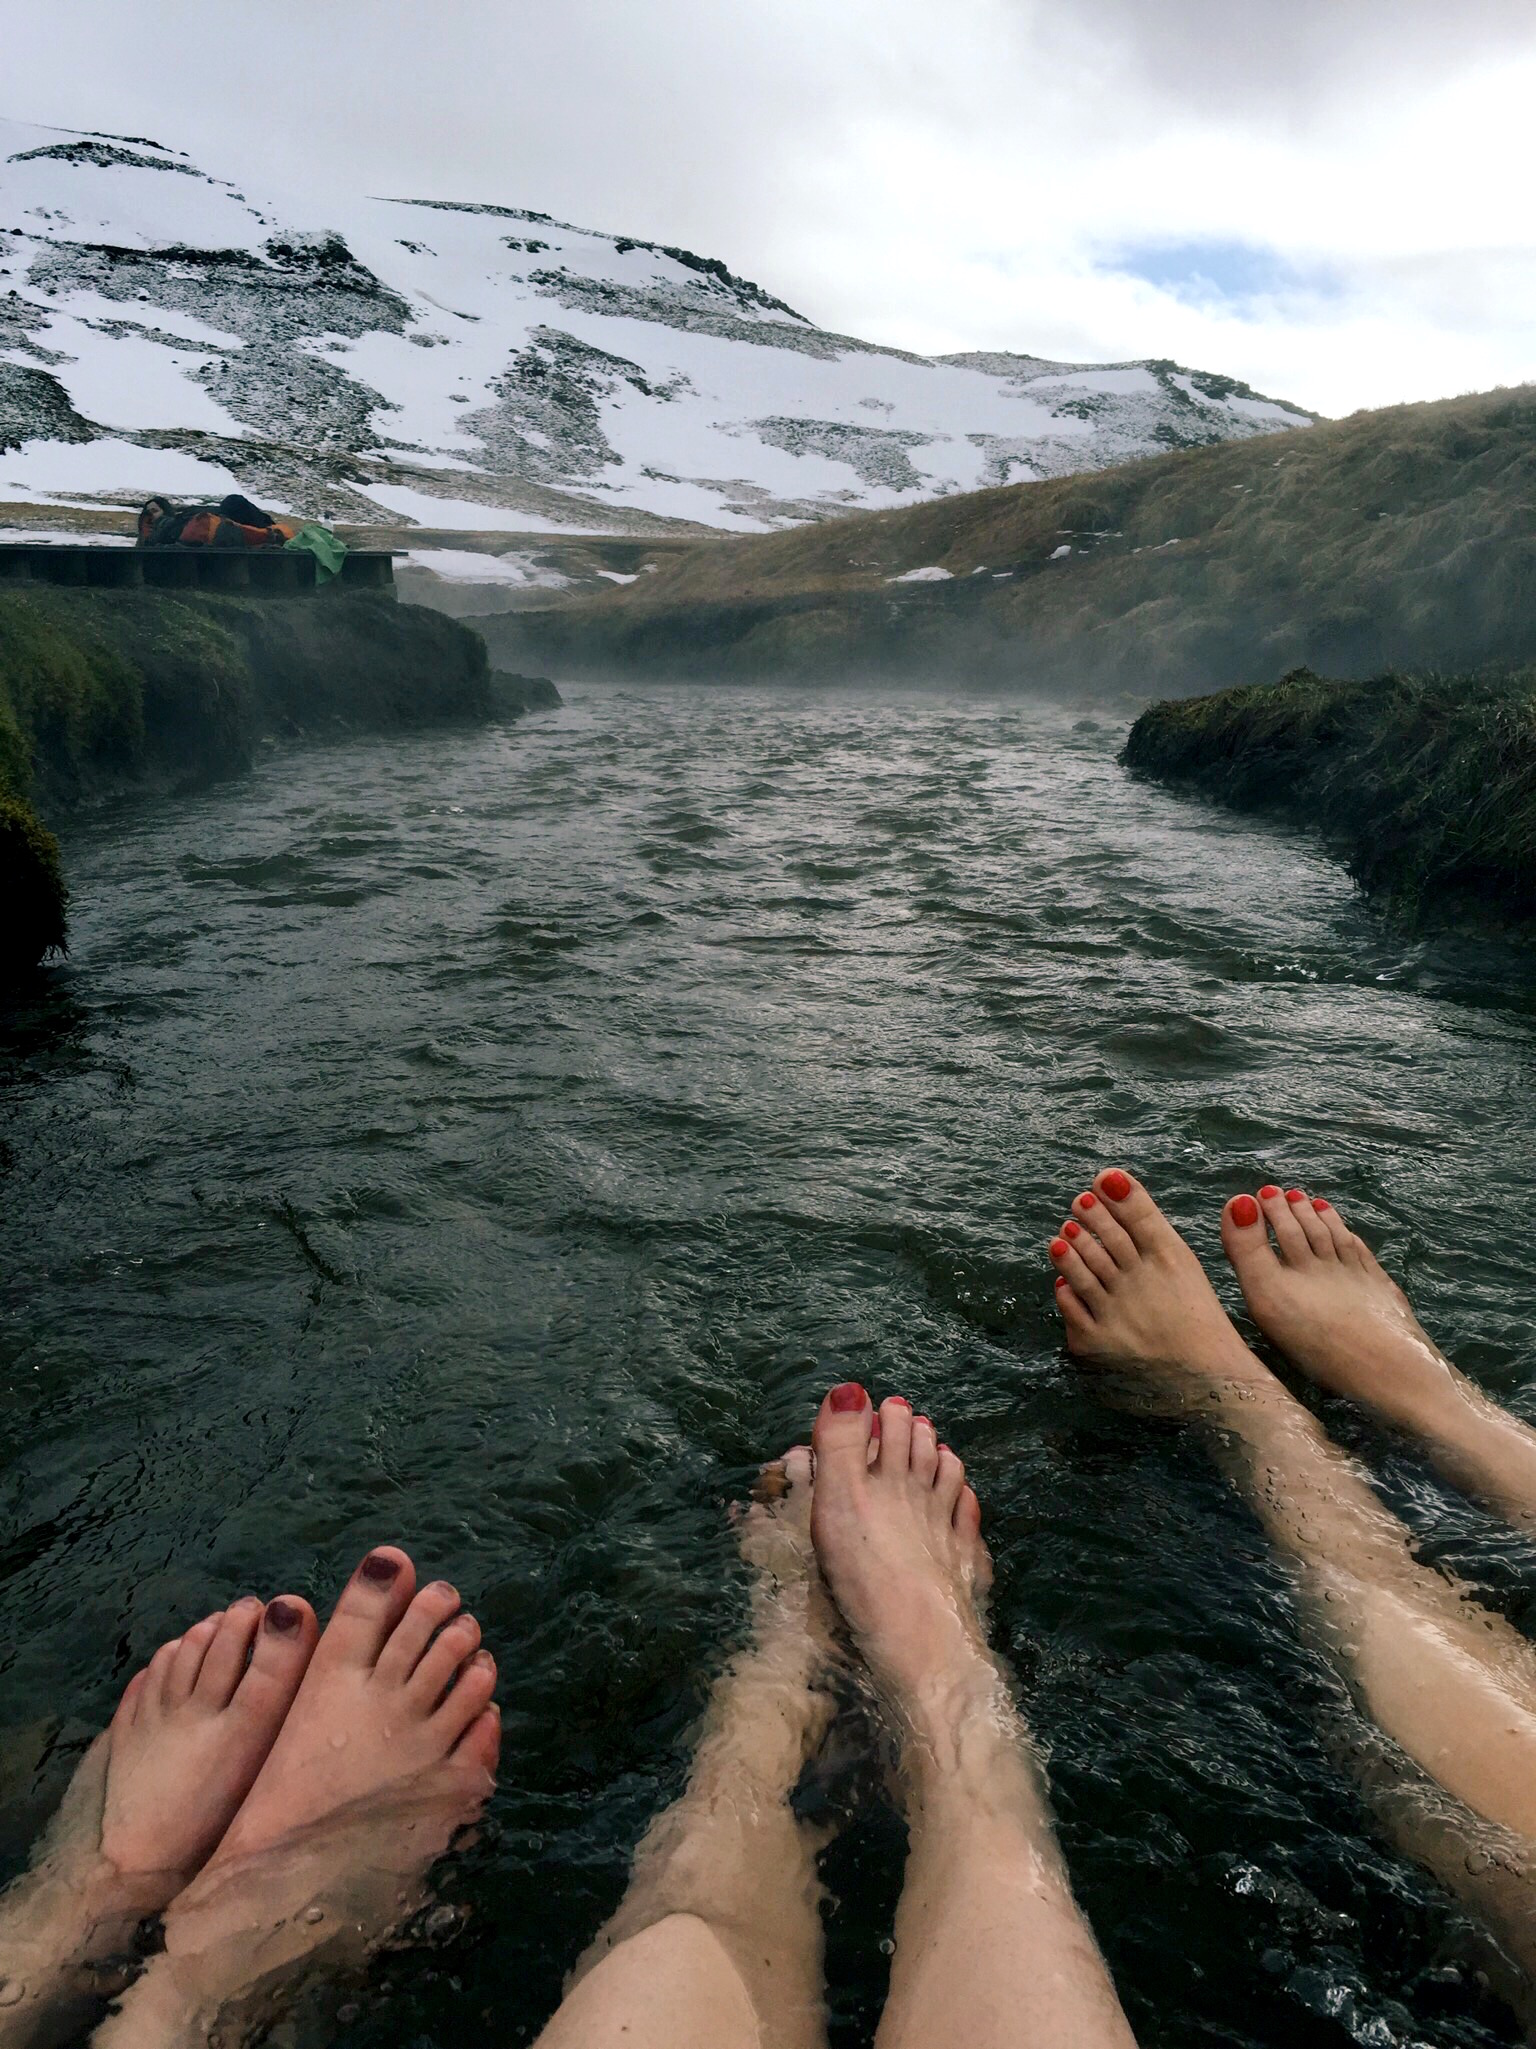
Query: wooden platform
{"type": "Point", "coordinates": [259, 572]}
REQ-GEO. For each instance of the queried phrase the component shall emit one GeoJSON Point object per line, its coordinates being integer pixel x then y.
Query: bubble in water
{"type": "Point", "coordinates": [1479, 1861]}
{"type": "Point", "coordinates": [887, 1947]}
{"type": "Point", "coordinates": [314, 1914]}
{"type": "Point", "coordinates": [12, 1991]}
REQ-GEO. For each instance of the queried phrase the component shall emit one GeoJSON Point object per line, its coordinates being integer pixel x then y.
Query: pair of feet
{"type": "Point", "coordinates": [253, 1725]}
{"type": "Point", "coordinates": [1133, 1294]}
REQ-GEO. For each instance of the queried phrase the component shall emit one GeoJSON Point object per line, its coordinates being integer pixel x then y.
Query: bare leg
{"type": "Point", "coordinates": [1319, 1294]}
{"type": "Point", "coordinates": [991, 1949]}
{"type": "Point", "coordinates": [388, 1748]}
{"type": "Point", "coordinates": [1453, 1685]}
{"type": "Point", "coordinates": [717, 1942]}
{"type": "Point", "coordinates": [152, 1797]}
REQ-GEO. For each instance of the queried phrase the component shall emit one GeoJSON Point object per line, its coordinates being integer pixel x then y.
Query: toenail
{"type": "Point", "coordinates": [1116, 1186]}
{"type": "Point", "coordinates": [283, 1617]}
{"type": "Point", "coordinates": [900, 1400]}
{"type": "Point", "coordinates": [1071, 1228]}
{"type": "Point", "coordinates": [1245, 1210]}
{"type": "Point", "coordinates": [1318, 1203]}
{"type": "Point", "coordinates": [926, 1421]}
{"type": "Point", "coordinates": [443, 1587]}
{"type": "Point", "coordinates": [483, 1659]}
{"type": "Point", "coordinates": [1061, 1281]}
{"type": "Point", "coordinates": [1085, 1201]}
{"type": "Point", "coordinates": [1294, 1195]}
{"type": "Point", "coordinates": [1268, 1192]}
{"type": "Point", "coordinates": [1059, 1248]}
{"type": "Point", "coordinates": [379, 1570]}
{"type": "Point", "coordinates": [848, 1396]}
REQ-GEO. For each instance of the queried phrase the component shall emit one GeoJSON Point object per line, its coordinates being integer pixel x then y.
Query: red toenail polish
{"type": "Point", "coordinates": [847, 1397]}
{"type": "Point", "coordinates": [1116, 1186]}
{"type": "Point", "coordinates": [1062, 1281]}
{"type": "Point", "coordinates": [1245, 1210]}
{"type": "Point", "coordinates": [1072, 1228]}
{"type": "Point", "coordinates": [1059, 1248]}
{"type": "Point", "coordinates": [1085, 1201]}
{"type": "Point", "coordinates": [378, 1570]}
{"type": "Point", "coordinates": [1268, 1192]}
{"type": "Point", "coordinates": [900, 1400]}
{"type": "Point", "coordinates": [928, 1420]}
{"type": "Point", "coordinates": [283, 1617]}
{"type": "Point", "coordinates": [1318, 1203]}
{"type": "Point", "coordinates": [1294, 1195]}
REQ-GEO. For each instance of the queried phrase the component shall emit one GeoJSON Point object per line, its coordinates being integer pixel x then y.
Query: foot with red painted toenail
{"type": "Point", "coordinates": [1319, 1294]}
{"type": "Point", "coordinates": [1133, 1295]}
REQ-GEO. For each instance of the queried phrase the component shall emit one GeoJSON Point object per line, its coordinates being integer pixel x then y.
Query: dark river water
{"type": "Point", "coordinates": [496, 1141]}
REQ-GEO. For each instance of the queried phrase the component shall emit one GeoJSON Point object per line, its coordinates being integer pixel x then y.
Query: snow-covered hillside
{"type": "Point", "coordinates": [479, 367]}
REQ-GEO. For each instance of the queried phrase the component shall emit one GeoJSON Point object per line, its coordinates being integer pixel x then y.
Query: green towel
{"type": "Point", "coordinates": [319, 541]}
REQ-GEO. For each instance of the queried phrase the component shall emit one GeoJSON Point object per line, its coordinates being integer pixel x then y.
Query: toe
{"type": "Point", "coordinates": [841, 1436]}
{"type": "Point", "coordinates": [1245, 1239]}
{"type": "Point", "coordinates": [128, 1706]}
{"type": "Point", "coordinates": [441, 1660]}
{"type": "Point", "coordinates": [925, 1450]}
{"type": "Point", "coordinates": [1131, 1207]}
{"type": "Point", "coordinates": [481, 1742]}
{"type": "Point", "coordinates": [1294, 1245]}
{"type": "Point", "coordinates": [470, 1697]}
{"type": "Point", "coordinates": [181, 1679]}
{"type": "Point", "coordinates": [797, 1467]}
{"type": "Point", "coordinates": [156, 1673]}
{"type": "Point", "coordinates": [967, 1514]}
{"type": "Point", "coordinates": [1314, 1229]}
{"type": "Point", "coordinates": [1095, 1255]}
{"type": "Point", "coordinates": [1345, 1244]}
{"type": "Point", "coordinates": [949, 1481]}
{"type": "Point", "coordinates": [415, 1630]}
{"type": "Point", "coordinates": [371, 1604]}
{"type": "Point", "coordinates": [895, 1435]}
{"type": "Point", "coordinates": [1097, 1218]}
{"type": "Point", "coordinates": [1075, 1312]}
{"type": "Point", "coordinates": [280, 1653]}
{"type": "Point", "coordinates": [231, 1646]}
{"type": "Point", "coordinates": [1075, 1270]}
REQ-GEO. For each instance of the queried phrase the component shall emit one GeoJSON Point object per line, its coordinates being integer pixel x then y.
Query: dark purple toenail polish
{"type": "Point", "coordinates": [378, 1570]}
{"type": "Point", "coordinates": [847, 1397]}
{"type": "Point", "coordinates": [283, 1617]}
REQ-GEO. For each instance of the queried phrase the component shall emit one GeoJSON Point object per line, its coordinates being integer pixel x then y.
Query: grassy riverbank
{"type": "Point", "coordinates": [102, 692]}
{"type": "Point", "coordinates": [1394, 539]}
{"type": "Point", "coordinates": [1425, 785]}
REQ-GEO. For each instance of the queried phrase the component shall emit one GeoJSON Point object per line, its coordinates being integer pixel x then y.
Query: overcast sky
{"type": "Point", "coordinates": [1328, 198]}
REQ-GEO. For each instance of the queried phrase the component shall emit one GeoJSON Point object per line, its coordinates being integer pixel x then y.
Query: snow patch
{"type": "Point", "coordinates": [932, 574]}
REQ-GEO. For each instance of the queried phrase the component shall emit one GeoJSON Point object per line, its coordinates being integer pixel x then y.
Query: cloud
{"type": "Point", "coordinates": [1328, 198]}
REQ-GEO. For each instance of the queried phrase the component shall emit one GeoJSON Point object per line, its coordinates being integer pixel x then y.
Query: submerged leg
{"type": "Point", "coordinates": [717, 1943]}
{"type": "Point", "coordinates": [387, 1750]}
{"type": "Point", "coordinates": [991, 1949]}
{"type": "Point", "coordinates": [150, 1801]}
{"type": "Point", "coordinates": [1450, 1683]}
{"type": "Point", "coordinates": [1320, 1295]}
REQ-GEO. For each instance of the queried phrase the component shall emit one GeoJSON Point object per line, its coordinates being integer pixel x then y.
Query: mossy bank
{"type": "Point", "coordinates": [1424, 785]}
{"type": "Point", "coordinates": [107, 691]}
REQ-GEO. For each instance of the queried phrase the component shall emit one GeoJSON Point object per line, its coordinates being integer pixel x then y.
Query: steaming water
{"type": "Point", "coordinates": [497, 1140]}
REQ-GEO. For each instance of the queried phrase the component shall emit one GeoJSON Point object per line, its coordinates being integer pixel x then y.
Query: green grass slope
{"type": "Point", "coordinates": [104, 691]}
{"type": "Point", "coordinates": [1426, 785]}
{"type": "Point", "coordinates": [1402, 538]}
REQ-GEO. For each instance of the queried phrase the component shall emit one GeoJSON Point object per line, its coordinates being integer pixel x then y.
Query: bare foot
{"type": "Point", "coordinates": [1319, 1294]}
{"type": "Point", "coordinates": [387, 1751]}
{"type": "Point", "coordinates": [192, 1732]}
{"type": "Point", "coordinates": [146, 1807]}
{"type": "Point", "coordinates": [791, 1608]}
{"type": "Point", "coordinates": [396, 1685]}
{"type": "Point", "coordinates": [899, 1540]}
{"type": "Point", "coordinates": [1131, 1293]}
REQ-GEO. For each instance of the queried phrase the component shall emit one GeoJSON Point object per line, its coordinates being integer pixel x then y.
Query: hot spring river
{"type": "Point", "coordinates": [497, 1140]}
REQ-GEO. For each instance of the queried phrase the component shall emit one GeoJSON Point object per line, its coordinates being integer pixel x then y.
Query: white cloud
{"type": "Point", "coordinates": [976, 174]}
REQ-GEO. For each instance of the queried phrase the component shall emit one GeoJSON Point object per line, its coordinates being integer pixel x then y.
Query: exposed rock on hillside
{"type": "Point", "coordinates": [476, 366]}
